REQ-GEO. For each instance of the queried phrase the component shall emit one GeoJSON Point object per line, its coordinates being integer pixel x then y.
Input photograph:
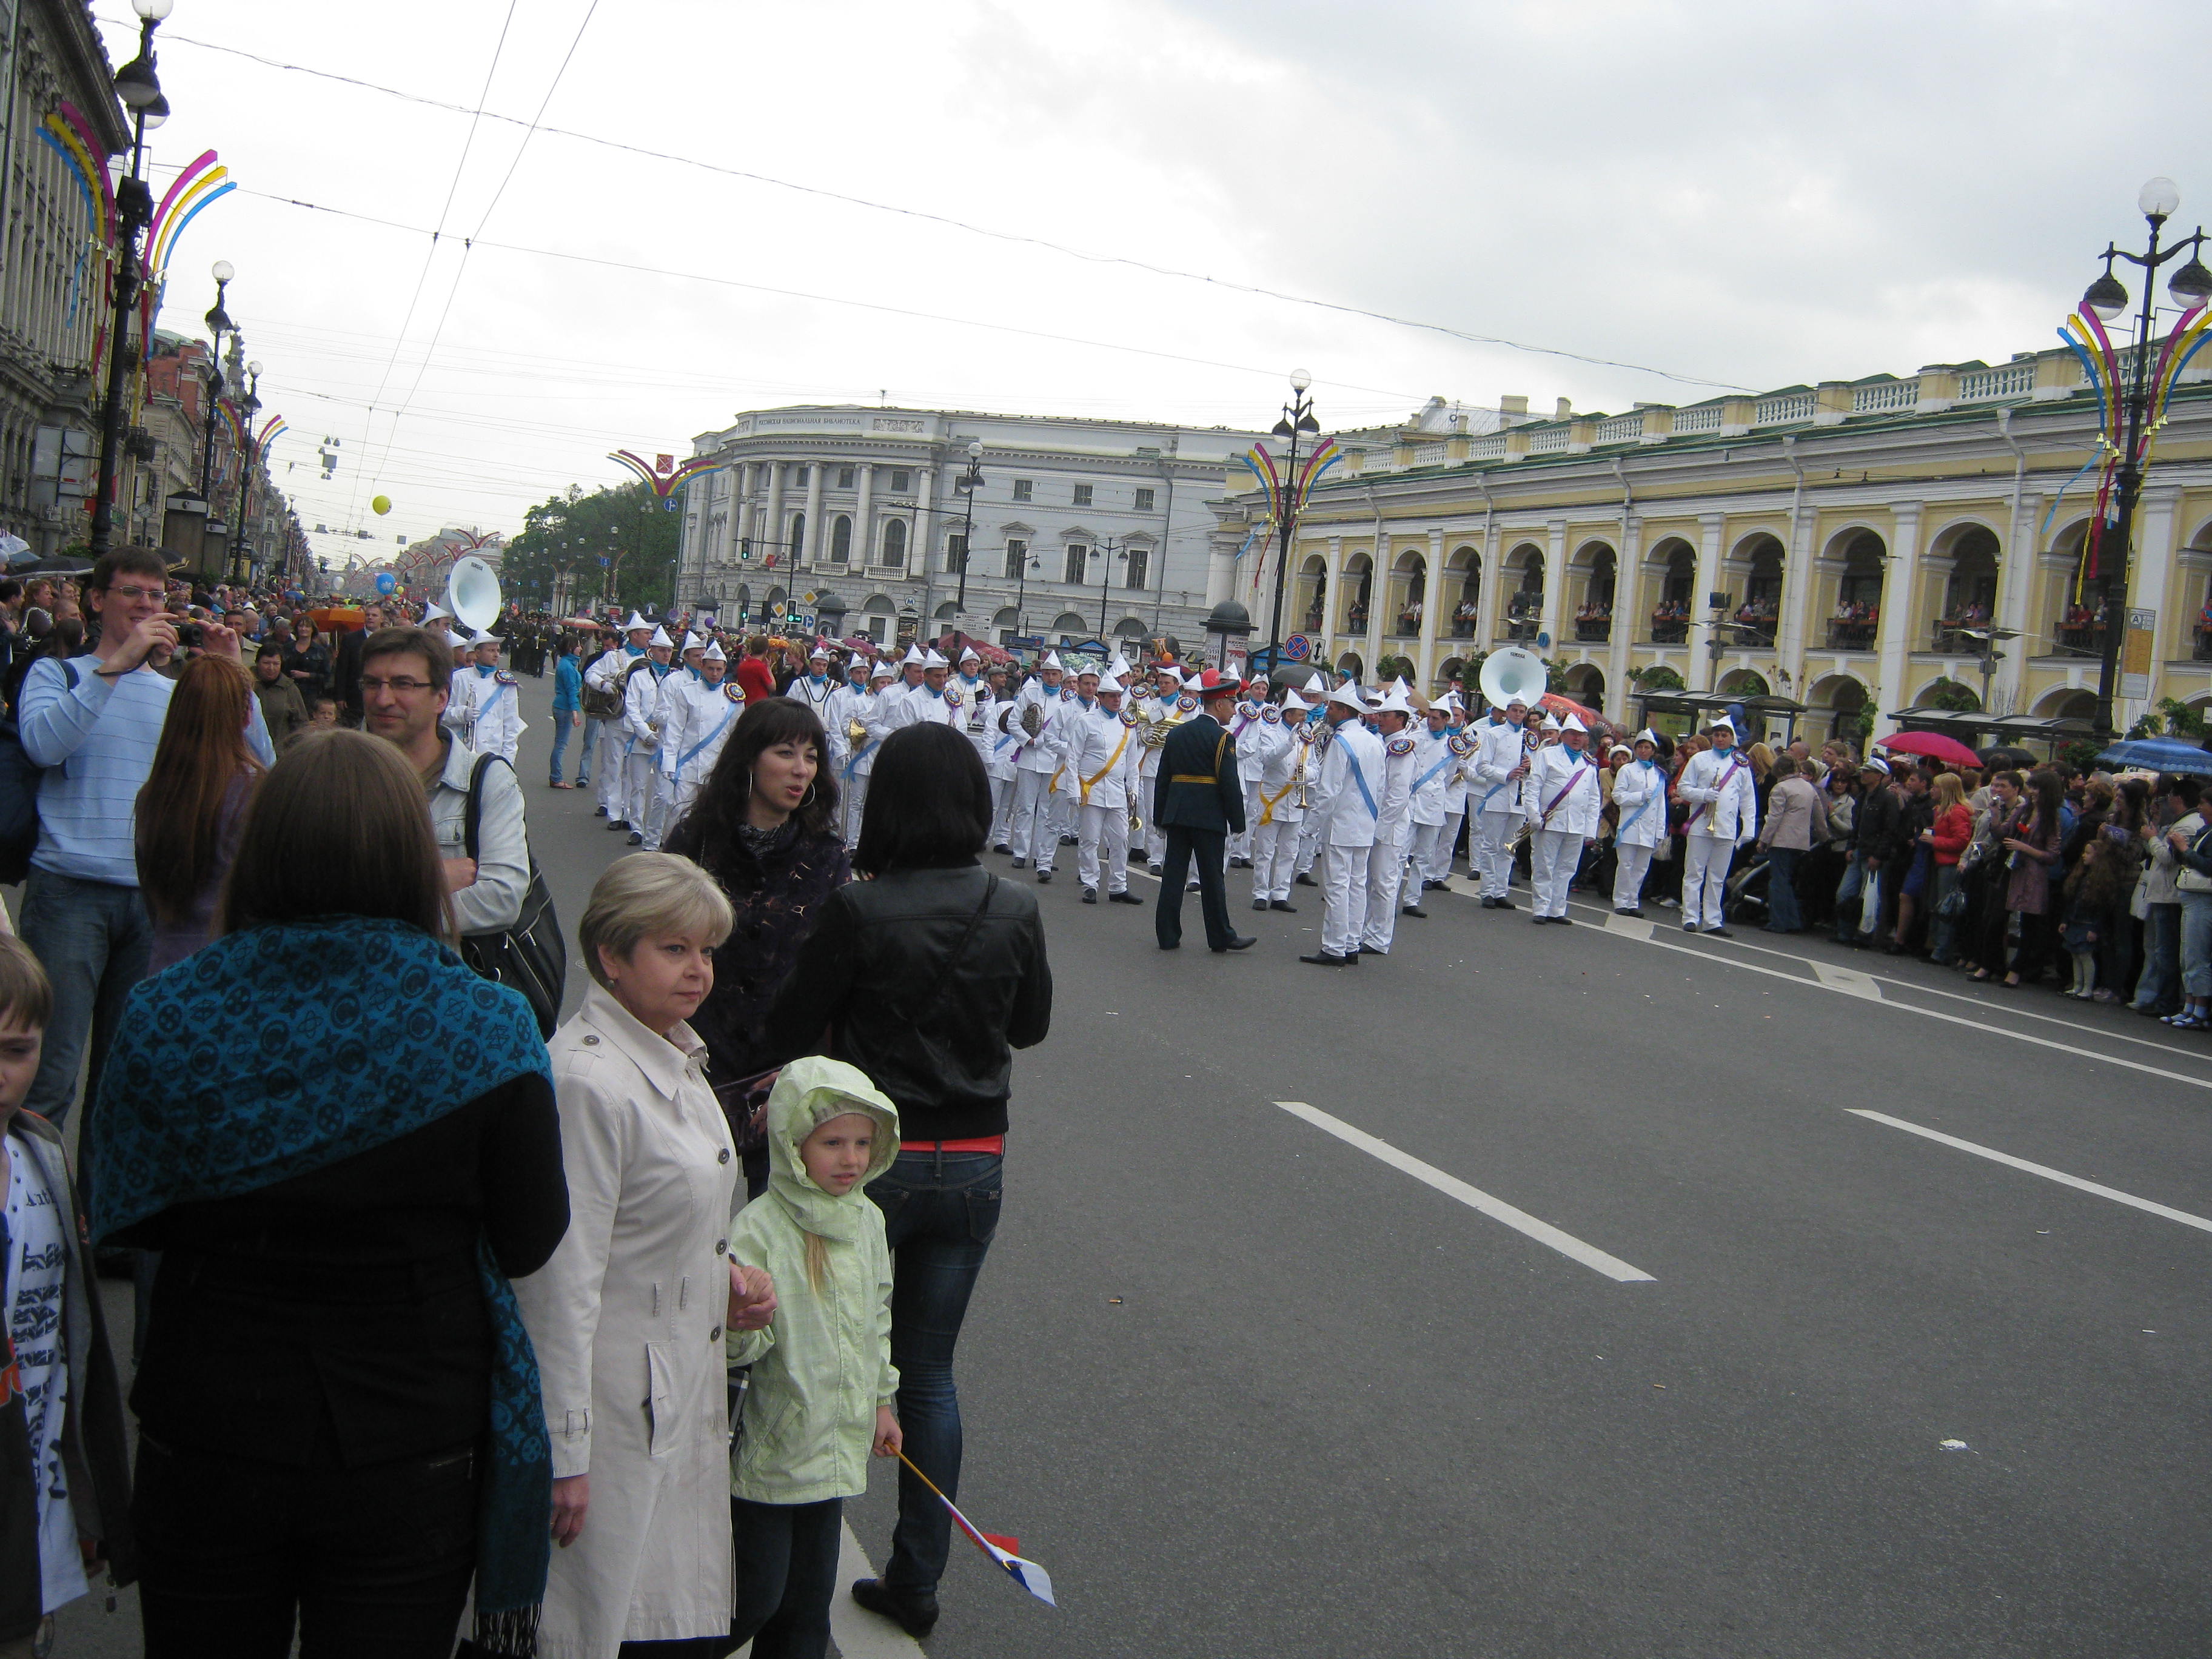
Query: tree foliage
{"type": "Point", "coordinates": [573, 530]}
{"type": "Point", "coordinates": [1949, 694]}
{"type": "Point", "coordinates": [1658, 678]}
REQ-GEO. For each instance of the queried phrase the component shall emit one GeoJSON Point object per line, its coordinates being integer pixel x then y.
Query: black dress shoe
{"type": "Point", "coordinates": [1090, 895]}
{"type": "Point", "coordinates": [1636, 910]}
{"type": "Point", "coordinates": [1123, 897]}
{"type": "Point", "coordinates": [1259, 904]}
{"type": "Point", "coordinates": [1563, 922]}
{"type": "Point", "coordinates": [636, 838]}
{"type": "Point", "coordinates": [1304, 880]}
{"type": "Point", "coordinates": [1488, 902]}
{"type": "Point", "coordinates": [1284, 905]}
{"type": "Point", "coordinates": [1021, 864]}
{"type": "Point", "coordinates": [1237, 942]}
{"type": "Point", "coordinates": [1177, 945]}
{"type": "Point", "coordinates": [1505, 904]}
{"type": "Point", "coordinates": [1328, 959]}
{"type": "Point", "coordinates": [1430, 885]}
{"type": "Point", "coordinates": [1002, 848]}
{"type": "Point", "coordinates": [600, 811]}
{"type": "Point", "coordinates": [1044, 877]}
{"type": "Point", "coordinates": [1413, 910]}
{"type": "Point", "coordinates": [617, 823]}
{"type": "Point", "coordinates": [1069, 841]}
{"type": "Point", "coordinates": [915, 1614]}
{"type": "Point", "coordinates": [1538, 921]}
{"type": "Point", "coordinates": [1718, 933]}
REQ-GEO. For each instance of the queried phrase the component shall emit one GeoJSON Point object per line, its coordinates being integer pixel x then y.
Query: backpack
{"type": "Point", "coordinates": [20, 777]}
{"type": "Point", "coordinates": [531, 956]}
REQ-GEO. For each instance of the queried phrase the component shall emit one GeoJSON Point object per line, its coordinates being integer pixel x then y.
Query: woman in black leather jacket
{"type": "Point", "coordinates": [927, 974]}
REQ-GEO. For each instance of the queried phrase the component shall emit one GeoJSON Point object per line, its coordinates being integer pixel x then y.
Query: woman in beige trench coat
{"type": "Point", "coordinates": [628, 1316]}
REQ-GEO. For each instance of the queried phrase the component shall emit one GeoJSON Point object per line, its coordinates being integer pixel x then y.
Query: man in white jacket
{"type": "Point", "coordinates": [1035, 760]}
{"type": "Point", "coordinates": [1721, 792]}
{"type": "Point", "coordinates": [641, 730]}
{"type": "Point", "coordinates": [1434, 781]}
{"type": "Point", "coordinates": [1348, 803]}
{"type": "Point", "coordinates": [605, 676]}
{"type": "Point", "coordinates": [860, 760]}
{"type": "Point", "coordinates": [1101, 758]}
{"type": "Point", "coordinates": [1639, 795]}
{"type": "Point", "coordinates": [1499, 800]}
{"type": "Point", "coordinates": [1394, 825]}
{"type": "Point", "coordinates": [1562, 802]}
{"type": "Point", "coordinates": [1282, 769]}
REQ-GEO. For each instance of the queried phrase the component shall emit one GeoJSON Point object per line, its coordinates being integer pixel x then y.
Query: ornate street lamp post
{"type": "Point", "coordinates": [219, 324]}
{"type": "Point", "coordinates": [249, 405]}
{"type": "Point", "coordinates": [1297, 421]}
{"type": "Point", "coordinates": [968, 482]}
{"type": "Point", "coordinates": [2135, 386]}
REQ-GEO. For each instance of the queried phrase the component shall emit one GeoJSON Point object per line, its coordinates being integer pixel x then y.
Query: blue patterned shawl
{"type": "Point", "coordinates": [283, 1049]}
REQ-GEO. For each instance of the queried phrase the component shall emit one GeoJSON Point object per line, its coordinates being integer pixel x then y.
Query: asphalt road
{"type": "Point", "coordinates": [1581, 1309]}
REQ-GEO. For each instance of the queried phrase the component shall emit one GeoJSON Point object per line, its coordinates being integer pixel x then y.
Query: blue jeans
{"type": "Point", "coordinates": [1781, 913]}
{"type": "Point", "coordinates": [1864, 884]}
{"type": "Point", "coordinates": [93, 937]}
{"type": "Point", "coordinates": [940, 1210]}
{"type": "Point", "coordinates": [2196, 944]}
{"type": "Point", "coordinates": [564, 721]}
{"type": "Point", "coordinates": [786, 1559]}
{"type": "Point", "coordinates": [2160, 985]}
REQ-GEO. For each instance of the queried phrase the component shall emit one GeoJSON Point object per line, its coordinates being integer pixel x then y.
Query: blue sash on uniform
{"type": "Point", "coordinates": [1421, 782]}
{"type": "Point", "coordinates": [1360, 778]}
{"type": "Point", "coordinates": [1642, 806]}
{"type": "Point", "coordinates": [860, 755]}
{"type": "Point", "coordinates": [691, 753]}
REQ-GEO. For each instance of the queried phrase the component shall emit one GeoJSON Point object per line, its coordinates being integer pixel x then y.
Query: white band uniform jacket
{"type": "Point", "coordinates": [1640, 791]}
{"type": "Point", "coordinates": [924, 706]}
{"type": "Point", "coordinates": [1049, 749]}
{"type": "Point", "coordinates": [1343, 810]}
{"type": "Point", "coordinates": [1499, 750]}
{"type": "Point", "coordinates": [1734, 813]}
{"type": "Point", "coordinates": [1102, 754]}
{"type": "Point", "coordinates": [627, 1321]}
{"type": "Point", "coordinates": [1577, 809]}
{"type": "Point", "coordinates": [696, 719]}
{"type": "Point", "coordinates": [1434, 772]}
{"type": "Point", "coordinates": [1274, 762]}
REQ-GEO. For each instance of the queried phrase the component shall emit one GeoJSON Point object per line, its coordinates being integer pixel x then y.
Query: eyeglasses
{"type": "Point", "coordinates": [151, 595]}
{"type": "Point", "coordinates": [403, 686]}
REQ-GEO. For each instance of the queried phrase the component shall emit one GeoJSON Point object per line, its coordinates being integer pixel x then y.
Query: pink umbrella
{"type": "Point", "coordinates": [1934, 744]}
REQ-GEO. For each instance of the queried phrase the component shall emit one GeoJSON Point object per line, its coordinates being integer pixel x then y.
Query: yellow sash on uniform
{"type": "Point", "coordinates": [1102, 771]}
{"type": "Point", "coordinates": [1268, 803]}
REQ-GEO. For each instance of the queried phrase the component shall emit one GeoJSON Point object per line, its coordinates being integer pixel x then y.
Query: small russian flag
{"type": "Point", "coordinates": [1003, 1549]}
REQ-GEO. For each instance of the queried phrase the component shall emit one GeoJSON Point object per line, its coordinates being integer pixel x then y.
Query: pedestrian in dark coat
{"type": "Point", "coordinates": [1200, 801]}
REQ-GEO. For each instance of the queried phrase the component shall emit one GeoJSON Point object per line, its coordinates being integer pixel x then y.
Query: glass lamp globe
{"type": "Point", "coordinates": [2159, 198]}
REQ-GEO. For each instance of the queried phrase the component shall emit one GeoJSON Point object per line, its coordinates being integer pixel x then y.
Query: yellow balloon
{"type": "Point", "coordinates": [381, 506]}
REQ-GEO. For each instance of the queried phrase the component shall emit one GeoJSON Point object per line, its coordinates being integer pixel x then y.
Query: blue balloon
{"type": "Point", "coordinates": [385, 581]}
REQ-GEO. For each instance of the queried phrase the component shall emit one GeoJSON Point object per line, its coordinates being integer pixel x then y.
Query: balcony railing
{"type": "Point", "coordinates": [2080, 639]}
{"type": "Point", "coordinates": [1786, 409]}
{"type": "Point", "coordinates": [1546, 441]}
{"type": "Point", "coordinates": [1621, 429]}
{"type": "Point", "coordinates": [2201, 651]}
{"type": "Point", "coordinates": [1853, 633]}
{"type": "Point", "coordinates": [1670, 630]}
{"type": "Point", "coordinates": [2006, 380]}
{"type": "Point", "coordinates": [1701, 417]}
{"type": "Point", "coordinates": [1593, 629]}
{"type": "Point", "coordinates": [1884, 396]}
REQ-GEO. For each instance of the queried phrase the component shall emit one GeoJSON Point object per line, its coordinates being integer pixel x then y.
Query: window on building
{"type": "Point", "coordinates": [1078, 563]}
{"type": "Point", "coordinates": [1138, 556]}
{"type": "Point", "coordinates": [803, 475]}
{"type": "Point", "coordinates": [1023, 489]}
{"type": "Point", "coordinates": [797, 535]}
{"type": "Point", "coordinates": [1018, 555]}
{"type": "Point", "coordinates": [955, 552]}
{"type": "Point", "coordinates": [844, 477]}
{"type": "Point", "coordinates": [902, 481]}
{"type": "Point", "coordinates": [895, 542]}
{"type": "Point", "coordinates": [841, 539]}
{"type": "Point", "coordinates": [1143, 505]}
{"type": "Point", "coordinates": [1083, 494]}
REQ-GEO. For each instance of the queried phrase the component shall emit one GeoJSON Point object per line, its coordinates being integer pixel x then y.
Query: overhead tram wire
{"type": "Point", "coordinates": [1016, 237]}
{"type": "Point", "coordinates": [469, 243]}
{"type": "Point", "coordinates": [430, 254]}
{"type": "Point", "coordinates": [632, 266]}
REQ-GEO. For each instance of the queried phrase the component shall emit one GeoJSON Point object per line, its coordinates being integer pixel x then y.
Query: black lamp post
{"type": "Point", "coordinates": [249, 405]}
{"type": "Point", "coordinates": [2191, 287]}
{"type": "Point", "coordinates": [1107, 554]}
{"type": "Point", "coordinates": [141, 93]}
{"type": "Point", "coordinates": [1297, 419]}
{"type": "Point", "coordinates": [968, 482]}
{"type": "Point", "coordinates": [1028, 561]}
{"type": "Point", "coordinates": [219, 324]}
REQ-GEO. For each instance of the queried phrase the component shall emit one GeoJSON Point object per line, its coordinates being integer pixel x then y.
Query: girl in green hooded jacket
{"type": "Point", "coordinates": [820, 1398]}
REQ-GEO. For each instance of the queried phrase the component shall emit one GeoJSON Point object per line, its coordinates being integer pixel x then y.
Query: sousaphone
{"type": "Point", "coordinates": [1510, 673]}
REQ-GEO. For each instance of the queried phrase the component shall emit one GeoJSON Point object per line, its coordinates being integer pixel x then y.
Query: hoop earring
{"type": "Point", "coordinates": [807, 800]}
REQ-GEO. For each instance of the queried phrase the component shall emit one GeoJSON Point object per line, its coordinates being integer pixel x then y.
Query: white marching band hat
{"type": "Point", "coordinates": [1647, 735]}
{"type": "Point", "coordinates": [1573, 723]}
{"type": "Point", "coordinates": [661, 638]}
{"type": "Point", "coordinates": [1394, 702]}
{"type": "Point", "coordinates": [819, 653]}
{"type": "Point", "coordinates": [932, 660]}
{"type": "Point", "coordinates": [1720, 720]}
{"type": "Point", "coordinates": [1551, 723]}
{"type": "Point", "coordinates": [1349, 695]}
{"type": "Point", "coordinates": [971, 654]}
{"type": "Point", "coordinates": [914, 658]}
{"type": "Point", "coordinates": [884, 670]}
{"type": "Point", "coordinates": [1316, 686]}
{"type": "Point", "coordinates": [455, 640]}
{"type": "Point", "coordinates": [1294, 704]}
{"type": "Point", "coordinates": [715, 654]}
{"type": "Point", "coordinates": [432, 611]}
{"type": "Point", "coordinates": [1051, 659]}
{"type": "Point", "coordinates": [634, 624]}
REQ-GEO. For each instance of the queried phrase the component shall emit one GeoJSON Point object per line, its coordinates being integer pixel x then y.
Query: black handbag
{"type": "Point", "coordinates": [531, 956]}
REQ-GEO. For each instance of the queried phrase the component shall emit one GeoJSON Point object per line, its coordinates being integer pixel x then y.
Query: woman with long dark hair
{"type": "Point", "coordinates": [2035, 848]}
{"type": "Point", "coordinates": [763, 825]}
{"type": "Point", "coordinates": [343, 1143]}
{"type": "Point", "coordinates": [193, 807]}
{"type": "Point", "coordinates": [927, 974]}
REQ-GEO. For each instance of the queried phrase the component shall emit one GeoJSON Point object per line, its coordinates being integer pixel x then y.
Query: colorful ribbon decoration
{"type": "Point", "coordinates": [666, 484]}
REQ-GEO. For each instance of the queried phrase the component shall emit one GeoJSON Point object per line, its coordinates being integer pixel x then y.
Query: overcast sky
{"type": "Point", "coordinates": [1747, 195]}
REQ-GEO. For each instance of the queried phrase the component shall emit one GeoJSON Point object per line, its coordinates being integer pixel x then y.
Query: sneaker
{"type": "Point", "coordinates": [1669, 904]}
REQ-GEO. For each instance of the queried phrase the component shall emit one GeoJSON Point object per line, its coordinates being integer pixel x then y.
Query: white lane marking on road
{"type": "Point", "coordinates": [2043, 1169]}
{"type": "Point", "coordinates": [1849, 981]}
{"type": "Point", "coordinates": [859, 1633]}
{"type": "Point", "coordinates": [1982, 1027]}
{"type": "Point", "coordinates": [1474, 1197]}
{"type": "Point", "coordinates": [2011, 1011]}
{"type": "Point", "coordinates": [1635, 927]}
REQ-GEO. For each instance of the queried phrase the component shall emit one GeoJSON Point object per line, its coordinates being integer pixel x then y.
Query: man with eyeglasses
{"type": "Point", "coordinates": [406, 677]}
{"type": "Point", "coordinates": [101, 713]}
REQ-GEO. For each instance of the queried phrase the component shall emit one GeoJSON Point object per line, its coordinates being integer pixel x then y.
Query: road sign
{"type": "Point", "coordinates": [2135, 652]}
{"type": "Point", "coordinates": [1298, 647]}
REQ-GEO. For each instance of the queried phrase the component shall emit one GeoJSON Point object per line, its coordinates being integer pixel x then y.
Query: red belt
{"type": "Point", "coordinates": [995, 1144]}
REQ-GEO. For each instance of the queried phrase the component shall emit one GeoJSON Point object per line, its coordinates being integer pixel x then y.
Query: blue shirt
{"type": "Point", "coordinates": [98, 740]}
{"type": "Point", "coordinates": [567, 686]}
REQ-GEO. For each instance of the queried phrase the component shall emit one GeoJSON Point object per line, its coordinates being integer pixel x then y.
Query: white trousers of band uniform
{"type": "Point", "coordinates": [607, 766]}
{"type": "Point", "coordinates": [1238, 843]}
{"type": "Point", "coordinates": [1156, 838]}
{"type": "Point", "coordinates": [1344, 897]}
{"type": "Point", "coordinates": [1108, 826]}
{"type": "Point", "coordinates": [638, 774]}
{"type": "Point", "coordinates": [659, 810]}
{"type": "Point", "coordinates": [1628, 876]}
{"type": "Point", "coordinates": [1385, 866]}
{"type": "Point", "coordinates": [1494, 859]}
{"type": "Point", "coordinates": [1308, 844]}
{"type": "Point", "coordinates": [1421, 857]}
{"type": "Point", "coordinates": [1552, 857]}
{"type": "Point", "coordinates": [1705, 879]}
{"type": "Point", "coordinates": [686, 793]}
{"type": "Point", "coordinates": [1441, 871]}
{"type": "Point", "coordinates": [855, 802]}
{"type": "Point", "coordinates": [1274, 857]}
{"type": "Point", "coordinates": [1032, 831]}
{"type": "Point", "coordinates": [1002, 809]}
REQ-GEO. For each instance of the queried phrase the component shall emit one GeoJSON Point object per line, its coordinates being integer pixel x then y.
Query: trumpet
{"type": "Point", "coordinates": [1136, 824]}
{"type": "Point", "coordinates": [1299, 782]}
{"type": "Point", "coordinates": [856, 731]}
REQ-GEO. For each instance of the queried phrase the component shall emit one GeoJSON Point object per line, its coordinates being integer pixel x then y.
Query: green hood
{"type": "Point", "coordinates": [808, 1094]}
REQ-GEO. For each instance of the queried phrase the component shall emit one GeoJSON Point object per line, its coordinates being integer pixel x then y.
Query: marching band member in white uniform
{"type": "Point", "coordinates": [1101, 758]}
{"type": "Point", "coordinates": [815, 687]}
{"type": "Point", "coordinates": [1035, 760]}
{"type": "Point", "coordinates": [703, 708]}
{"type": "Point", "coordinates": [1243, 724]}
{"type": "Point", "coordinates": [461, 697]}
{"type": "Point", "coordinates": [1455, 792]}
{"type": "Point", "coordinates": [1499, 800]}
{"type": "Point", "coordinates": [1562, 802]}
{"type": "Point", "coordinates": [838, 711]}
{"type": "Point", "coordinates": [1718, 786]}
{"type": "Point", "coordinates": [1436, 766]}
{"type": "Point", "coordinates": [1283, 772]}
{"type": "Point", "coordinates": [927, 704]}
{"type": "Point", "coordinates": [676, 688]}
{"type": "Point", "coordinates": [861, 761]}
{"type": "Point", "coordinates": [1639, 795]}
{"type": "Point", "coordinates": [1165, 708]}
{"type": "Point", "coordinates": [1394, 825]}
{"type": "Point", "coordinates": [1347, 799]}
{"type": "Point", "coordinates": [605, 675]}
{"type": "Point", "coordinates": [641, 732]}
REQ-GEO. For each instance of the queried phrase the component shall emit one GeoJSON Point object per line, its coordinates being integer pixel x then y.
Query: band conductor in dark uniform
{"type": "Point", "coordinates": [1199, 800]}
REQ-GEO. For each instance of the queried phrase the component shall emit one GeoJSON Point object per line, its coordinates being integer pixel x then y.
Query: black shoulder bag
{"type": "Point", "coordinates": [531, 956]}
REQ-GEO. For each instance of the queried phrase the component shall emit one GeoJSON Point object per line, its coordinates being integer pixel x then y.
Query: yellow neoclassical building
{"type": "Point", "coordinates": [1855, 529]}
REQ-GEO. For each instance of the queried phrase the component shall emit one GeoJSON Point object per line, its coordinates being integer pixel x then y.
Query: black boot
{"type": "Point", "coordinates": [915, 1614]}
